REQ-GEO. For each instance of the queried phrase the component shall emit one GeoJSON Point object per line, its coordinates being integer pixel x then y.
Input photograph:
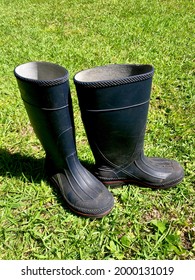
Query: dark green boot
{"type": "Point", "coordinates": [45, 91]}
{"type": "Point", "coordinates": [114, 102]}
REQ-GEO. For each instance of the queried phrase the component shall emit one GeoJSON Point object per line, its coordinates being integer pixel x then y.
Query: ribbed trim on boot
{"type": "Point", "coordinates": [59, 74]}
{"type": "Point", "coordinates": [113, 75]}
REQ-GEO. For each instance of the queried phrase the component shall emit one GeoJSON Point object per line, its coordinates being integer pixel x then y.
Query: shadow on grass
{"type": "Point", "coordinates": [18, 165]}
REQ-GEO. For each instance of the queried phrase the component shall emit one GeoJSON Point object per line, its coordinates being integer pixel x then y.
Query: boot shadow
{"type": "Point", "coordinates": [18, 165]}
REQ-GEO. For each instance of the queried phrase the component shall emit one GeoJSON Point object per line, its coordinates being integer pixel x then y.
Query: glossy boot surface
{"type": "Point", "coordinates": [114, 101]}
{"type": "Point", "coordinates": [45, 92]}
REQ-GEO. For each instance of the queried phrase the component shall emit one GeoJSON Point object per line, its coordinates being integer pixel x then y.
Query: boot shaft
{"type": "Point", "coordinates": [45, 92]}
{"type": "Point", "coordinates": [114, 110]}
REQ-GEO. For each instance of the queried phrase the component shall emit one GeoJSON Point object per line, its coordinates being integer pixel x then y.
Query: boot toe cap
{"type": "Point", "coordinates": [91, 200]}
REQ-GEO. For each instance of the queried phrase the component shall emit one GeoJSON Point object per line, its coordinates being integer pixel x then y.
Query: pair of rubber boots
{"type": "Point", "coordinates": [114, 102]}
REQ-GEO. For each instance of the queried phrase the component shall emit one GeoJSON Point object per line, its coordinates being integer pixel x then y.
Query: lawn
{"type": "Point", "coordinates": [144, 224]}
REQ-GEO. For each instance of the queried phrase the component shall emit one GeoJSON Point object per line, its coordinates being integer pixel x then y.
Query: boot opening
{"type": "Point", "coordinates": [40, 71]}
{"type": "Point", "coordinates": [113, 72]}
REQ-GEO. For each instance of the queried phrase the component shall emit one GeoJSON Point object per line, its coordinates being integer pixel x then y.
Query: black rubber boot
{"type": "Point", "coordinates": [114, 102]}
{"type": "Point", "coordinates": [45, 91]}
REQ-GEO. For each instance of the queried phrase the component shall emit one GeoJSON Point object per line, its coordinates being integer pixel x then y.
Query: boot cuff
{"type": "Point", "coordinates": [41, 73]}
{"type": "Point", "coordinates": [113, 75]}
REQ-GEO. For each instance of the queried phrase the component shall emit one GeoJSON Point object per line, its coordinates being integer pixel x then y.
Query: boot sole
{"type": "Point", "coordinates": [119, 183]}
{"type": "Point", "coordinates": [91, 216]}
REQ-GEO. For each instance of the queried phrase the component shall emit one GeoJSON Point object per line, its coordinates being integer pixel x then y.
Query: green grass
{"type": "Point", "coordinates": [144, 224]}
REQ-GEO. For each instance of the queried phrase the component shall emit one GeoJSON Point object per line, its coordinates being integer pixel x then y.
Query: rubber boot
{"type": "Point", "coordinates": [45, 92]}
{"type": "Point", "coordinates": [114, 101]}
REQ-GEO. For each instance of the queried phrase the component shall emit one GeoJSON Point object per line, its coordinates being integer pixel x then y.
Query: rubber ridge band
{"type": "Point", "coordinates": [118, 109]}
{"type": "Point", "coordinates": [45, 109]}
